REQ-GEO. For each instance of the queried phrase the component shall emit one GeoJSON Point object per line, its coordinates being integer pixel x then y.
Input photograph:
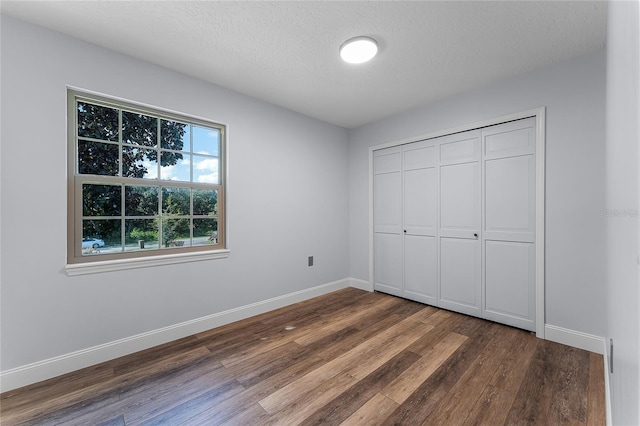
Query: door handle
{"type": "Point", "coordinates": [475, 235]}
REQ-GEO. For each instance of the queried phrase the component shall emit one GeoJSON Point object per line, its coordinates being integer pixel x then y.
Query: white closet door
{"type": "Point", "coordinates": [454, 222]}
{"type": "Point", "coordinates": [460, 197]}
{"type": "Point", "coordinates": [387, 220]}
{"type": "Point", "coordinates": [420, 197]}
{"type": "Point", "coordinates": [509, 223]}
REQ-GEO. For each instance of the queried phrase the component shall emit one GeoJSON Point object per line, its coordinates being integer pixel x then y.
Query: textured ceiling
{"type": "Point", "coordinates": [286, 52]}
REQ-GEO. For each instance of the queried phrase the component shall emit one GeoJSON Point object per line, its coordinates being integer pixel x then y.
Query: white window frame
{"type": "Point", "coordinates": [77, 263]}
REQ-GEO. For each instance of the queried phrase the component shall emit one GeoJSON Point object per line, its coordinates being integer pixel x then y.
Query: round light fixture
{"type": "Point", "coordinates": [358, 50]}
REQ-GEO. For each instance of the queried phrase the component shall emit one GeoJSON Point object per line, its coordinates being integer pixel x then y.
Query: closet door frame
{"type": "Point", "coordinates": [539, 115]}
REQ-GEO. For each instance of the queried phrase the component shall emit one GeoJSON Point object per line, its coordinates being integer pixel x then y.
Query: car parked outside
{"type": "Point", "coordinates": [93, 243]}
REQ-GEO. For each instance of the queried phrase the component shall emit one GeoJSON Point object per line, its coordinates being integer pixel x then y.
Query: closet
{"type": "Point", "coordinates": [454, 222]}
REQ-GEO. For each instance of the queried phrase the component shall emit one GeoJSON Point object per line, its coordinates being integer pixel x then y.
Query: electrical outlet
{"type": "Point", "coordinates": [310, 260]}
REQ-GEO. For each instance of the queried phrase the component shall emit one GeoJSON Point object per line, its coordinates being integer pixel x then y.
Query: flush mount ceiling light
{"type": "Point", "coordinates": [358, 50]}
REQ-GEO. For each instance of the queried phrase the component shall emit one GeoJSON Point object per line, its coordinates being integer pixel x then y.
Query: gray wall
{"type": "Point", "coordinates": [287, 199]}
{"type": "Point", "coordinates": [574, 94]}
{"type": "Point", "coordinates": [623, 200]}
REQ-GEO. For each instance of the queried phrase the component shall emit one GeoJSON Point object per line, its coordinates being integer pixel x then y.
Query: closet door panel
{"type": "Point", "coordinates": [509, 223]}
{"type": "Point", "coordinates": [510, 139]}
{"type": "Point", "coordinates": [421, 269]}
{"type": "Point", "coordinates": [510, 198]}
{"type": "Point", "coordinates": [459, 197]}
{"type": "Point", "coordinates": [387, 160]}
{"type": "Point", "coordinates": [388, 261]}
{"type": "Point", "coordinates": [420, 201]}
{"type": "Point", "coordinates": [459, 215]}
{"type": "Point", "coordinates": [387, 220]}
{"type": "Point", "coordinates": [420, 214]}
{"type": "Point", "coordinates": [387, 203]}
{"type": "Point", "coordinates": [419, 155]}
{"type": "Point", "coordinates": [510, 295]}
{"type": "Point", "coordinates": [387, 190]}
{"type": "Point", "coordinates": [460, 275]}
{"type": "Point", "coordinates": [460, 147]}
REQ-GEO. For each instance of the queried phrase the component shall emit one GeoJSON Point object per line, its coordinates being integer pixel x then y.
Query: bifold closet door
{"type": "Point", "coordinates": [459, 234]}
{"type": "Point", "coordinates": [454, 222]}
{"type": "Point", "coordinates": [387, 220]}
{"type": "Point", "coordinates": [420, 213]}
{"type": "Point", "coordinates": [509, 223]}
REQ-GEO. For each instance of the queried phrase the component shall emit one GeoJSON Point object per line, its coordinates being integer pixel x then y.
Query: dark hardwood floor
{"type": "Point", "coordinates": [350, 357]}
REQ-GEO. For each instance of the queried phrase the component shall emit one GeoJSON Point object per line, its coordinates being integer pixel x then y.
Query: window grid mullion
{"type": "Point", "coordinates": [158, 147]}
{"type": "Point", "coordinates": [86, 139]}
{"type": "Point", "coordinates": [101, 217]}
{"type": "Point", "coordinates": [191, 154]}
{"type": "Point", "coordinates": [123, 229]}
{"type": "Point", "coordinates": [191, 181]}
{"type": "Point", "coordinates": [191, 211]}
{"type": "Point", "coordinates": [120, 148]}
{"type": "Point", "coordinates": [158, 171]}
{"type": "Point", "coordinates": [160, 214]}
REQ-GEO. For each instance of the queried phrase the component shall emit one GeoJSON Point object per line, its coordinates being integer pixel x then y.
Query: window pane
{"type": "Point", "coordinates": [205, 170]}
{"type": "Point", "coordinates": [176, 233]}
{"type": "Point", "coordinates": [97, 122]}
{"type": "Point", "coordinates": [139, 129]}
{"type": "Point", "coordinates": [101, 200]}
{"type": "Point", "coordinates": [95, 158]}
{"type": "Point", "coordinates": [176, 201]}
{"type": "Point", "coordinates": [141, 200]}
{"type": "Point", "coordinates": [175, 166]}
{"type": "Point", "coordinates": [174, 135]}
{"type": "Point", "coordinates": [205, 202]}
{"type": "Point", "coordinates": [101, 236]}
{"type": "Point", "coordinates": [206, 141]}
{"type": "Point", "coordinates": [205, 232]}
{"type": "Point", "coordinates": [139, 163]}
{"type": "Point", "coordinates": [141, 234]}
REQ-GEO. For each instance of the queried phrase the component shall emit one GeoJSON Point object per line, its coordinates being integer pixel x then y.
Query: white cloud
{"type": "Point", "coordinates": [210, 178]}
{"type": "Point", "coordinates": [206, 165]}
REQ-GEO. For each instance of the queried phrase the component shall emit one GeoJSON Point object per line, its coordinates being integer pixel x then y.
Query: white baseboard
{"type": "Point", "coordinates": [361, 284]}
{"type": "Point", "coordinates": [577, 339]}
{"type": "Point", "coordinates": [52, 367]}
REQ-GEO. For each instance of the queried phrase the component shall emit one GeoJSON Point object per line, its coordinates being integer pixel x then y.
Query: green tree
{"type": "Point", "coordinates": [173, 230]}
{"type": "Point", "coordinates": [100, 156]}
{"type": "Point", "coordinates": [175, 202]}
{"type": "Point", "coordinates": [141, 200]}
{"type": "Point", "coordinates": [205, 202]}
{"type": "Point", "coordinates": [139, 130]}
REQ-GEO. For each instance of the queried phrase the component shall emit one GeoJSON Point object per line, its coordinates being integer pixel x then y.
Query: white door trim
{"type": "Point", "coordinates": [539, 114]}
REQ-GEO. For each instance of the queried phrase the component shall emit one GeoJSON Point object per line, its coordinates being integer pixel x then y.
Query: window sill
{"type": "Point", "coordinates": [143, 262]}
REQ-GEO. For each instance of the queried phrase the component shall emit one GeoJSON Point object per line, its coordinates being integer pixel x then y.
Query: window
{"type": "Point", "coordinates": [142, 182]}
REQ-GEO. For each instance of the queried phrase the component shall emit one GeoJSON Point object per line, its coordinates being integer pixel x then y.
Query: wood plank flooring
{"type": "Point", "coordinates": [346, 358]}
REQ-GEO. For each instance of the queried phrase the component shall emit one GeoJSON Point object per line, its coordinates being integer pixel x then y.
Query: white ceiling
{"type": "Point", "coordinates": [286, 52]}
